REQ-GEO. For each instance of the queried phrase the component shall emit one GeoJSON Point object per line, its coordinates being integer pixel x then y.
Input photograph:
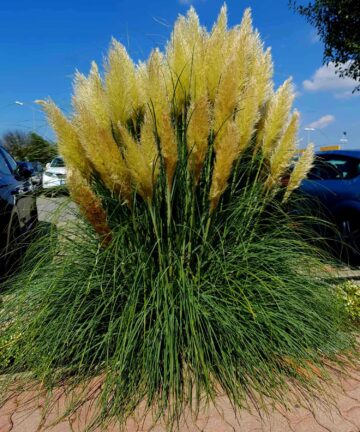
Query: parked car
{"type": "Point", "coordinates": [36, 170]}
{"type": "Point", "coordinates": [334, 182]}
{"type": "Point", "coordinates": [55, 173]}
{"type": "Point", "coordinates": [18, 212]}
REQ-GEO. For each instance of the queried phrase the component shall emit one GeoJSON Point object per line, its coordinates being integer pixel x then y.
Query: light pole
{"type": "Point", "coordinates": [8, 105]}
{"type": "Point", "coordinates": [11, 104]}
{"type": "Point", "coordinates": [309, 129]}
{"type": "Point", "coordinates": [20, 103]}
{"type": "Point", "coordinates": [344, 139]}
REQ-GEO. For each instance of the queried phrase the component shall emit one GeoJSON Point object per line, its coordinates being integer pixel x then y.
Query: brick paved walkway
{"type": "Point", "coordinates": [344, 416]}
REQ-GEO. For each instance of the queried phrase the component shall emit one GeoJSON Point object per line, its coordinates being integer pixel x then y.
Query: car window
{"type": "Point", "coordinates": [4, 168]}
{"type": "Point", "coordinates": [57, 163]}
{"type": "Point", "coordinates": [333, 169]}
{"type": "Point", "coordinates": [38, 167]}
{"type": "Point", "coordinates": [357, 170]}
{"type": "Point", "coordinates": [10, 160]}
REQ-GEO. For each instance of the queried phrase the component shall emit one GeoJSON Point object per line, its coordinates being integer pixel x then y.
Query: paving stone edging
{"type": "Point", "coordinates": [342, 416]}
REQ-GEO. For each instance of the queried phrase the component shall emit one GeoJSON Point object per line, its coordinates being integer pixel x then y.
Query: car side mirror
{"type": "Point", "coordinates": [23, 172]}
{"type": "Point", "coordinates": [47, 166]}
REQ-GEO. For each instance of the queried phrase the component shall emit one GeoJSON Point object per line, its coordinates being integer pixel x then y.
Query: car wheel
{"type": "Point", "coordinates": [349, 227]}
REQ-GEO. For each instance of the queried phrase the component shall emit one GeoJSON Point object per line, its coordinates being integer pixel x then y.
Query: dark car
{"type": "Point", "coordinates": [36, 170]}
{"type": "Point", "coordinates": [334, 182]}
{"type": "Point", "coordinates": [18, 212]}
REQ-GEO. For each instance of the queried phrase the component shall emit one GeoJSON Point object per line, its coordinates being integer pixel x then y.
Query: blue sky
{"type": "Point", "coordinates": [42, 42]}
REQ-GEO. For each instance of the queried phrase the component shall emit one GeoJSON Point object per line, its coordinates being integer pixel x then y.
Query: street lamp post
{"type": "Point", "coordinates": [20, 103]}
{"type": "Point", "coordinates": [309, 129]}
{"type": "Point", "coordinates": [344, 139]}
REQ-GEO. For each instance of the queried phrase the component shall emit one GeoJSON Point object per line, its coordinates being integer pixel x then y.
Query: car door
{"type": "Point", "coordinates": [331, 180]}
{"type": "Point", "coordinates": [7, 201]}
{"type": "Point", "coordinates": [17, 191]}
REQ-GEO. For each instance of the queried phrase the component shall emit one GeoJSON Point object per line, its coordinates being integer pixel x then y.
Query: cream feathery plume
{"type": "Point", "coordinates": [226, 154]}
{"type": "Point", "coordinates": [216, 53]}
{"type": "Point", "coordinates": [276, 116]}
{"type": "Point", "coordinates": [185, 57]}
{"type": "Point", "coordinates": [260, 126]}
{"type": "Point", "coordinates": [196, 43]}
{"type": "Point", "coordinates": [138, 166]}
{"type": "Point", "coordinates": [246, 26]}
{"type": "Point", "coordinates": [235, 89]}
{"type": "Point", "coordinates": [105, 156]}
{"type": "Point", "coordinates": [226, 98]}
{"type": "Point", "coordinates": [262, 73]}
{"type": "Point", "coordinates": [149, 146]}
{"type": "Point", "coordinates": [155, 82]}
{"type": "Point", "coordinates": [120, 84]}
{"type": "Point", "coordinates": [94, 128]}
{"type": "Point", "coordinates": [283, 153]}
{"type": "Point", "coordinates": [178, 58]}
{"type": "Point", "coordinates": [301, 169]}
{"type": "Point", "coordinates": [68, 141]}
{"type": "Point", "coordinates": [159, 105]}
{"type": "Point", "coordinates": [256, 62]}
{"type": "Point", "coordinates": [248, 114]}
{"type": "Point", "coordinates": [89, 204]}
{"type": "Point", "coordinates": [198, 131]}
{"type": "Point", "coordinates": [254, 76]}
{"type": "Point", "coordinates": [169, 148]}
{"type": "Point", "coordinates": [241, 47]}
{"type": "Point", "coordinates": [141, 79]}
{"type": "Point", "coordinates": [92, 94]}
{"type": "Point", "coordinates": [245, 45]}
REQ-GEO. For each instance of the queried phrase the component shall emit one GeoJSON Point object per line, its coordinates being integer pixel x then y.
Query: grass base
{"type": "Point", "coordinates": [247, 312]}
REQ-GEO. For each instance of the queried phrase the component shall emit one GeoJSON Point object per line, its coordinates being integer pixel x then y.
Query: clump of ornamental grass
{"type": "Point", "coordinates": [185, 277]}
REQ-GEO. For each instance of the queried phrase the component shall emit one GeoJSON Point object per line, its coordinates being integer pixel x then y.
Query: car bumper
{"type": "Point", "coordinates": [50, 182]}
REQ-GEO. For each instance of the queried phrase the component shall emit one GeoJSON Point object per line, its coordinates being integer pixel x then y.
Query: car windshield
{"type": "Point", "coordinates": [334, 168]}
{"type": "Point", "coordinates": [10, 160]}
{"type": "Point", "coordinates": [58, 163]}
{"type": "Point", "coordinates": [38, 167]}
{"type": "Point", "coordinates": [29, 166]}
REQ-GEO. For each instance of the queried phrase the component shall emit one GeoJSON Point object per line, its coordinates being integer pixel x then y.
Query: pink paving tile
{"type": "Point", "coordinates": [23, 414]}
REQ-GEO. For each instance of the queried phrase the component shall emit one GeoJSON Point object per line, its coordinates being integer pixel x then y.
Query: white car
{"type": "Point", "coordinates": [55, 173]}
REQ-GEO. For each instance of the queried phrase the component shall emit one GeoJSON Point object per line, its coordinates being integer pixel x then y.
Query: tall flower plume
{"type": "Point", "coordinates": [278, 111]}
{"type": "Point", "coordinates": [198, 134]}
{"type": "Point", "coordinates": [78, 172]}
{"type": "Point", "coordinates": [95, 131]}
{"type": "Point", "coordinates": [68, 141]}
{"type": "Point", "coordinates": [216, 51]}
{"type": "Point", "coordinates": [209, 91]}
{"type": "Point", "coordinates": [226, 153]}
{"type": "Point", "coordinates": [185, 56]}
{"type": "Point", "coordinates": [89, 204]}
{"type": "Point", "coordinates": [168, 147]}
{"type": "Point", "coordinates": [283, 153]}
{"type": "Point", "coordinates": [300, 171]}
{"type": "Point", "coordinates": [139, 167]}
{"type": "Point", "coordinates": [120, 84]}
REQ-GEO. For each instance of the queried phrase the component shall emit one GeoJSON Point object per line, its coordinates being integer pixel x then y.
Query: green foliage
{"type": "Point", "coordinates": [236, 306]}
{"type": "Point", "coordinates": [8, 351]}
{"type": "Point", "coordinates": [28, 147]}
{"type": "Point", "coordinates": [349, 293]}
{"type": "Point", "coordinates": [338, 25]}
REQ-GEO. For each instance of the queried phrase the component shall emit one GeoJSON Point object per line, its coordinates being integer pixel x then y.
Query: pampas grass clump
{"type": "Point", "coordinates": [185, 277]}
